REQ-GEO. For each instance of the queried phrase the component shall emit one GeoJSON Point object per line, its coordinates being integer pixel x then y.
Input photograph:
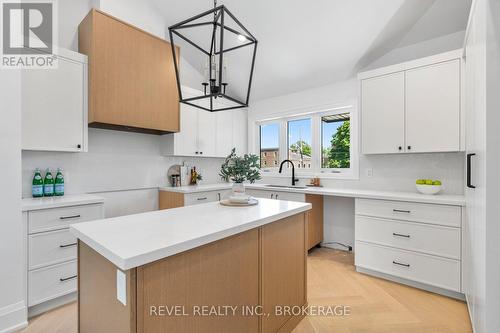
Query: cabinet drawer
{"type": "Point", "coordinates": [60, 218]}
{"type": "Point", "coordinates": [423, 268]}
{"type": "Point", "coordinates": [48, 248]}
{"type": "Point", "coordinates": [410, 211]}
{"type": "Point", "coordinates": [288, 196]}
{"type": "Point", "coordinates": [51, 282]}
{"type": "Point", "coordinates": [200, 197]}
{"type": "Point", "coordinates": [431, 239]}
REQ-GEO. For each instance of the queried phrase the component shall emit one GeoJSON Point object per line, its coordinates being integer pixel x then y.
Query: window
{"type": "Point", "coordinates": [299, 142]}
{"type": "Point", "coordinates": [322, 143]}
{"type": "Point", "coordinates": [269, 144]}
{"type": "Point", "coordinates": [335, 141]}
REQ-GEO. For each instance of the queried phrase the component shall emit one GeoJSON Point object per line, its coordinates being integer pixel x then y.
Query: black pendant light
{"type": "Point", "coordinates": [217, 44]}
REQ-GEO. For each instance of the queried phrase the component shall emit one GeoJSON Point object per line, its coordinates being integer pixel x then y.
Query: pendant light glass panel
{"type": "Point", "coordinates": [215, 64]}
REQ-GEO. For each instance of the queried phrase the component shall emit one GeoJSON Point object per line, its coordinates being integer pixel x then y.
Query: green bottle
{"type": "Point", "coordinates": [37, 185]}
{"type": "Point", "coordinates": [48, 184]}
{"type": "Point", "coordinates": [59, 183]}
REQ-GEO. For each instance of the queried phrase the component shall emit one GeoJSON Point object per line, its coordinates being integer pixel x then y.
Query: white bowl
{"type": "Point", "coordinates": [428, 189]}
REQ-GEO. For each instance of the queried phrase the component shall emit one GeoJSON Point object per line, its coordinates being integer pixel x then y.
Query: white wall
{"type": "Point", "coordinates": [429, 47]}
{"type": "Point", "coordinates": [12, 297]}
{"type": "Point", "coordinates": [125, 168]}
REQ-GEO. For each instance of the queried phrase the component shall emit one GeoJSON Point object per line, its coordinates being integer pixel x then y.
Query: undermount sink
{"type": "Point", "coordinates": [287, 186]}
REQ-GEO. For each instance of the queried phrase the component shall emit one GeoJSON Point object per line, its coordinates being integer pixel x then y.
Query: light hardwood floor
{"type": "Point", "coordinates": [377, 306]}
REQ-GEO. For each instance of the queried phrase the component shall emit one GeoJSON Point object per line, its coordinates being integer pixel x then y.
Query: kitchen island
{"type": "Point", "coordinates": [204, 268]}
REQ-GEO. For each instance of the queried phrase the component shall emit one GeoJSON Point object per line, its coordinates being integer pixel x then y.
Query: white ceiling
{"type": "Point", "coordinates": [305, 44]}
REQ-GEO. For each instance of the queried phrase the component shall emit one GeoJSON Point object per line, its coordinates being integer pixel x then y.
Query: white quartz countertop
{"type": "Point", "coordinates": [135, 240]}
{"type": "Point", "coordinates": [28, 204]}
{"type": "Point", "coordinates": [442, 199]}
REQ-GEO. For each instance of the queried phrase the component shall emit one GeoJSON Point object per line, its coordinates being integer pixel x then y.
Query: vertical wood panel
{"type": "Point", "coordinates": [315, 220]}
{"type": "Point", "coordinates": [222, 273]}
{"type": "Point", "coordinates": [284, 255]}
{"type": "Point", "coordinates": [169, 200]}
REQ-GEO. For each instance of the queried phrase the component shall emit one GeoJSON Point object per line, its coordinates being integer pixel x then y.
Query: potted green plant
{"type": "Point", "coordinates": [239, 169]}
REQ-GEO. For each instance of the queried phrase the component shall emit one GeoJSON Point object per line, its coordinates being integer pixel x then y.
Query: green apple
{"type": "Point", "coordinates": [436, 182]}
{"type": "Point", "coordinates": [428, 182]}
{"type": "Point", "coordinates": [420, 181]}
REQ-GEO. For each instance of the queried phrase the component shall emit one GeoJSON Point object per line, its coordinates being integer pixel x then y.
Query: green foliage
{"type": "Point", "coordinates": [301, 147]}
{"type": "Point", "coordinates": [338, 155]}
{"type": "Point", "coordinates": [240, 168]}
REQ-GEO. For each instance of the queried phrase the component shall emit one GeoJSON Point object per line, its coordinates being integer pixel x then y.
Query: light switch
{"type": "Point", "coordinates": [121, 287]}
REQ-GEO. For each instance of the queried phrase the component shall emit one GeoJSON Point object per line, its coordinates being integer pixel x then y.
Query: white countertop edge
{"type": "Point", "coordinates": [31, 204]}
{"type": "Point", "coordinates": [146, 258]}
{"type": "Point", "coordinates": [196, 188]}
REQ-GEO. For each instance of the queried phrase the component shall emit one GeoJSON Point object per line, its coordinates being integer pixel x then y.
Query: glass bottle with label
{"type": "Point", "coordinates": [37, 184]}
{"type": "Point", "coordinates": [59, 184]}
{"type": "Point", "coordinates": [48, 184]}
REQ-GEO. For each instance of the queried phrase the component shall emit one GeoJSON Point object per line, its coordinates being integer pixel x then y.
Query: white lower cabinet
{"type": "Point", "coordinates": [412, 241]}
{"type": "Point", "coordinates": [431, 270]}
{"type": "Point", "coordinates": [52, 250]}
{"type": "Point", "coordinates": [278, 195]}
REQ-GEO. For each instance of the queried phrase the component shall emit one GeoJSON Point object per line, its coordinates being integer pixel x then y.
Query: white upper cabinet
{"type": "Point", "coordinates": [414, 107]}
{"type": "Point", "coordinates": [433, 108]}
{"type": "Point", "coordinates": [207, 134]}
{"type": "Point", "coordinates": [54, 108]}
{"type": "Point", "coordinates": [382, 122]}
{"type": "Point", "coordinates": [240, 131]}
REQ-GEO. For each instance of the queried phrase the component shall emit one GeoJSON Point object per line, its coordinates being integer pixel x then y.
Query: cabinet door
{"type": "Point", "coordinates": [54, 107]}
{"type": "Point", "coordinates": [132, 77]}
{"type": "Point", "coordinates": [240, 131]}
{"type": "Point", "coordinates": [186, 141]}
{"type": "Point", "coordinates": [382, 117]}
{"type": "Point", "coordinates": [206, 132]}
{"type": "Point", "coordinates": [224, 135]}
{"type": "Point", "coordinates": [260, 193]}
{"type": "Point", "coordinates": [433, 108]}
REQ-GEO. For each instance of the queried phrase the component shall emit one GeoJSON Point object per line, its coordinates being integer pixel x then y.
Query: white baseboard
{"type": "Point", "coordinates": [423, 286]}
{"type": "Point", "coordinates": [13, 317]}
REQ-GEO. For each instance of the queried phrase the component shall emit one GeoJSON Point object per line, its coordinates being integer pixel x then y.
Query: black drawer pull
{"type": "Point", "coordinates": [401, 211]}
{"type": "Point", "coordinates": [68, 278]}
{"type": "Point", "coordinates": [400, 264]}
{"type": "Point", "coordinates": [200, 199]}
{"type": "Point", "coordinates": [70, 217]}
{"type": "Point", "coordinates": [67, 245]}
{"type": "Point", "coordinates": [469, 170]}
{"type": "Point", "coordinates": [400, 235]}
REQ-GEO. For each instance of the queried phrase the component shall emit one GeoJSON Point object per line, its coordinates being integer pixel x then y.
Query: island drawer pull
{"type": "Point", "coordinates": [400, 264]}
{"type": "Point", "coordinates": [401, 211]}
{"type": "Point", "coordinates": [400, 235]}
{"type": "Point", "coordinates": [70, 217]}
{"type": "Point", "coordinates": [200, 199]}
{"type": "Point", "coordinates": [67, 245]}
{"type": "Point", "coordinates": [68, 278]}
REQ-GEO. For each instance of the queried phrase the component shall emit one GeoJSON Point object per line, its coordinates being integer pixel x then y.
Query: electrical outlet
{"type": "Point", "coordinates": [369, 172]}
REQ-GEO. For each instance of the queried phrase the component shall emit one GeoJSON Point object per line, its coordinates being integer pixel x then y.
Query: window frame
{"type": "Point", "coordinates": [316, 143]}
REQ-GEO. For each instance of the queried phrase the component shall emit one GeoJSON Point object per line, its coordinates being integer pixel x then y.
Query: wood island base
{"type": "Point", "coordinates": [243, 283]}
